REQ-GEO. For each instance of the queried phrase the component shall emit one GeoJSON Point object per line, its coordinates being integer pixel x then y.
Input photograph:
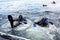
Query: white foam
{"type": "Point", "coordinates": [39, 32]}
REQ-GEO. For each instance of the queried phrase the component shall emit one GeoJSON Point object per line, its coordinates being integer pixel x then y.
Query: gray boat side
{"type": "Point", "coordinates": [11, 37]}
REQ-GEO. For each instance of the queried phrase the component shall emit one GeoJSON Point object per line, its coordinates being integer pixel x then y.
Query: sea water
{"type": "Point", "coordinates": [34, 10]}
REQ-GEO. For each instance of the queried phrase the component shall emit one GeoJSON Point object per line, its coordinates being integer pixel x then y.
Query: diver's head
{"type": "Point", "coordinates": [44, 22]}
{"type": "Point", "coordinates": [20, 17]}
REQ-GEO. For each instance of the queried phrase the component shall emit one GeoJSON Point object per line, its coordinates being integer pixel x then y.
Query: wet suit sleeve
{"type": "Point", "coordinates": [24, 21]}
{"type": "Point", "coordinates": [51, 23]}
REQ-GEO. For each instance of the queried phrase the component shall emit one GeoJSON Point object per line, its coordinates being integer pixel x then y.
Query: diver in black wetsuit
{"type": "Point", "coordinates": [43, 22]}
{"type": "Point", "coordinates": [20, 20]}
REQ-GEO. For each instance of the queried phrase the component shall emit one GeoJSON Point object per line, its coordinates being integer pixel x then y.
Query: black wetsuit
{"type": "Point", "coordinates": [10, 18]}
{"type": "Point", "coordinates": [42, 23]}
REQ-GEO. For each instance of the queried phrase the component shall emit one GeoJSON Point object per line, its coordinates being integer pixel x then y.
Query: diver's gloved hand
{"type": "Point", "coordinates": [34, 24]}
{"type": "Point", "coordinates": [23, 22]}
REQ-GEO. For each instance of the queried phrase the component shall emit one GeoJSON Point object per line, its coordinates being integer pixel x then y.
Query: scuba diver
{"type": "Point", "coordinates": [43, 22]}
{"type": "Point", "coordinates": [20, 20]}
